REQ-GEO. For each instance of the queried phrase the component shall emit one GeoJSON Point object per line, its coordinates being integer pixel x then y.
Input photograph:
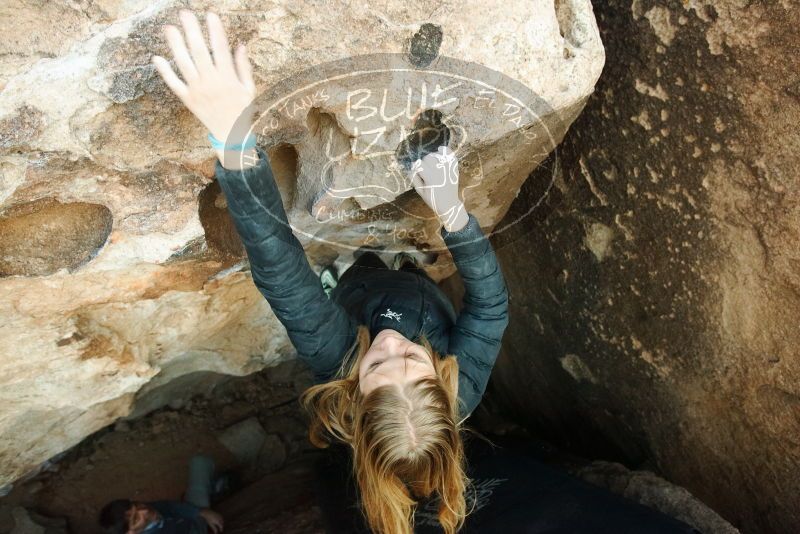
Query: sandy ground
{"type": "Point", "coordinates": [146, 459]}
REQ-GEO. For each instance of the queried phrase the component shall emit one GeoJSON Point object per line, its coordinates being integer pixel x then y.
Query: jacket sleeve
{"type": "Point", "coordinates": [176, 509]}
{"type": "Point", "coordinates": [320, 329]}
{"type": "Point", "coordinates": [476, 336]}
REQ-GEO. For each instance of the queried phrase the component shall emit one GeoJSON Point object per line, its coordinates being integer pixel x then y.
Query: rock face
{"type": "Point", "coordinates": [654, 300]}
{"type": "Point", "coordinates": [120, 271]}
{"type": "Point", "coordinates": [18, 520]}
{"type": "Point", "coordinates": [646, 488]}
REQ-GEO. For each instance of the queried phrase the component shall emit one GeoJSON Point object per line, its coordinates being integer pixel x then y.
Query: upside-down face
{"type": "Point", "coordinates": [392, 359]}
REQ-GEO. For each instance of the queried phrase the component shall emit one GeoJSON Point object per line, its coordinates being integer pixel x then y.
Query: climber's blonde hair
{"type": "Point", "coordinates": [406, 441]}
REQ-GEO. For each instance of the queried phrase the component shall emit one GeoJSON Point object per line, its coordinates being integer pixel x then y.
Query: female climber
{"type": "Point", "coordinates": [398, 371]}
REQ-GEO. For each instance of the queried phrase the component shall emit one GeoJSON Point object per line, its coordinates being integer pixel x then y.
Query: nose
{"type": "Point", "coordinates": [392, 343]}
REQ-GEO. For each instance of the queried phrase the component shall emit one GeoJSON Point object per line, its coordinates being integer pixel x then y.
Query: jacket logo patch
{"type": "Point", "coordinates": [391, 315]}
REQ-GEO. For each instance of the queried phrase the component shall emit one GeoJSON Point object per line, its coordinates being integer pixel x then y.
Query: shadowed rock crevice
{"type": "Point", "coordinates": [220, 231]}
{"type": "Point", "coordinates": [324, 151]}
{"type": "Point", "coordinates": [429, 133]}
{"type": "Point", "coordinates": [40, 237]}
{"type": "Point", "coordinates": [283, 160]}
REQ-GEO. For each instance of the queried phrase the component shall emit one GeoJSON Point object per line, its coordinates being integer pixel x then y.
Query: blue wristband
{"type": "Point", "coordinates": [249, 142]}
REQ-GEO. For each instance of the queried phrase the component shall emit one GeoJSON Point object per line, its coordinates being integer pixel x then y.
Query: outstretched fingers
{"type": "Point", "coordinates": [244, 69]}
{"type": "Point", "coordinates": [220, 47]}
{"type": "Point", "coordinates": [170, 78]}
{"type": "Point", "coordinates": [181, 54]}
{"type": "Point", "coordinates": [422, 190]}
{"type": "Point", "coordinates": [197, 45]}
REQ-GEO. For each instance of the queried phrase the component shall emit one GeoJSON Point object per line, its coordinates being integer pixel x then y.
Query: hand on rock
{"type": "Point", "coordinates": [213, 519]}
{"type": "Point", "coordinates": [217, 92]}
{"type": "Point", "coordinates": [435, 178]}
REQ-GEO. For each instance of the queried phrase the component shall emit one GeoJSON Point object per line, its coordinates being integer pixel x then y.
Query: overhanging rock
{"type": "Point", "coordinates": [88, 127]}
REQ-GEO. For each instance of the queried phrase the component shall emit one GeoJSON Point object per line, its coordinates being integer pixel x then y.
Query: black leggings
{"type": "Point", "coordinates": [514, 489]}
{"type": "Point", "coordinates": [370, 260]}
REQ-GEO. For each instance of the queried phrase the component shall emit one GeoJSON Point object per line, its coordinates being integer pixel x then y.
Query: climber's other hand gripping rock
{"type": "Point", "coordinates": [435, 178]}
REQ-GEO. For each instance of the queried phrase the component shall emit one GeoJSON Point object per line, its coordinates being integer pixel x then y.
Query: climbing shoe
{"type": "Point", "coordinates": [404, 258]}
{"type": "Point", "coordinates": [329, 278]}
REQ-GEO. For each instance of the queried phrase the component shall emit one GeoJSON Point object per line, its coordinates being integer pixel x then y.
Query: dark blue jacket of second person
{"type": "Point", "coordinates": [322, 329]}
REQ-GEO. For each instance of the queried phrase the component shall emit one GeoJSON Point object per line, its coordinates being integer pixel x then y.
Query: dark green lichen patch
{"type": "Point", "coordinates": [18, 129]}
{"type": "Point", "coordinates": [424, 45]}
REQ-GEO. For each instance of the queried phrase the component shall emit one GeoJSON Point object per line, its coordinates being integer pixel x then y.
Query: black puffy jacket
{"type": "Point", "coordinates": [322, 329]}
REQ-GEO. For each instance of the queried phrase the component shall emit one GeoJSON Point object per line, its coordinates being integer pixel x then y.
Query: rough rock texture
{"type": "Point", "coordinates": [121, 271]}
{"type": "Point", "coordinates": [646, 488]}
{"type": "Point", "coordinates": [18, 520]}
{"type": "Point", "coordinates": [654, 302]}
{"type": "Point", "coordinates": [155, 450]}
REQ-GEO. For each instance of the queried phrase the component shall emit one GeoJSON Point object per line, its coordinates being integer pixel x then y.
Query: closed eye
{"type": "Point", "coordinates": [415, 357]}
{"type": "Point", "coordinates": [408, 355]}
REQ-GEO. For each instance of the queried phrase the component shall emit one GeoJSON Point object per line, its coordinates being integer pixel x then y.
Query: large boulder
{"type": "Point", "coordinates": [120, 271]}
{"type": "Point", "coordinates": [655, 297]}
